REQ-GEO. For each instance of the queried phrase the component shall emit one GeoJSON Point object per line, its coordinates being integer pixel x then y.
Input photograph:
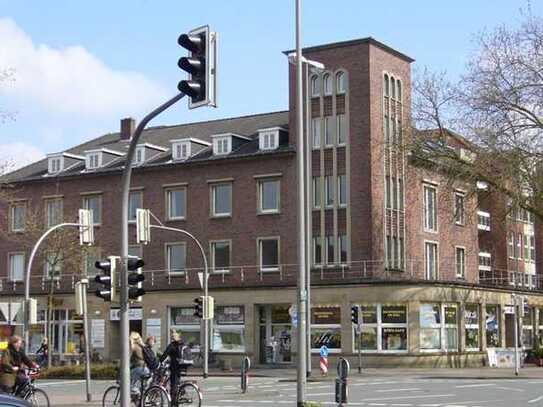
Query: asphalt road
{"type": "Point", "coordinates": [392, 391]}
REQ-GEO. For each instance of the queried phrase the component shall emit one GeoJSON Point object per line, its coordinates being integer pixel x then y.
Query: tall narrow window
{"type": "Point", "coordinates": [268, 249]}
{"type": "Point", "coordinates": [340, 82]}
{"type": "Point", "coordinates": [430, 208]}
{"type": "Point", "coordinates": [431, 266]}
{"type": "Point", "coordinates": [54, 211]}
{"type": "Point", "coordinates": [460, 262]}
{"type": "Point", "coordinates": [329, 190]}
{"type": "Point", "coordinates": [94, 203]}
{"type": "Point", "coordinates": [342, 244]}
{"type": "Point", "coordinates": [316, 132]}
{"type": "Point", "coordinates": [316, 192]}
{"type": "Point", "coordinates": [315, 86]}
{"type": "Point", "coordinates": [176, 257]}
{"type": "Point", "coordinates": [18, 217]}
{"type": "Point", "coordinates": [526, 247]}
{"type": "Point", "coordinates": [511, 245]}
{"type": "Point", "coordinates": [459, 211]}
{"type": "Point", "coordinates": [327, 82]}
{"type": "Point", "coordinates": [220, 256]}
{"type": "Point", "coordinates": [53, 265]}
{"type": "Point", "coordinates": [471, 321]}
{"type": "Point", "coordinates": [135, 201]}
{"type": "Point", "coordinates": [388, 192]}
{"type": "Point", "coordinates": [317, 251]}
{"type": "Point", "coordinates": [328, 131]}
{"type": "Point", "coordinates": [221, 200]}
{"type": "Point", "coordinates": [342, 189]}
{"type": "Point", "coordinates": [341, 129]}
{"type": "Point", "coordinates": [400, 194]}
{"type": "Point", "coordinates": [518, 247]}
{"type": "Point", "coordinates": [16, 266]}
{"type": "Point", "coordinates": [532, 248]}
{"type": "Point", "coordinates": [268, 196]}
{"type": "Point", "coordinates": [330, 250]}
{"type": "Point", "coordinates": [176, 201]}
{"type": "Point", "coordinates": [492, 326]}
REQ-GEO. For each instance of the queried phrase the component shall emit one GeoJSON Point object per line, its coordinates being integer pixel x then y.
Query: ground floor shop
{"type": "Point", "coordinates": [402, 325]}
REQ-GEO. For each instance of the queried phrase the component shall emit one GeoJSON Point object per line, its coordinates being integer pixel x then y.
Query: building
{"type": "Point", "coordinates": [388, 234]}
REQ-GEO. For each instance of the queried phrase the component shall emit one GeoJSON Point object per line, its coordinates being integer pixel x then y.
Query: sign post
{"type": "Point", "coordinates": [245, 366]}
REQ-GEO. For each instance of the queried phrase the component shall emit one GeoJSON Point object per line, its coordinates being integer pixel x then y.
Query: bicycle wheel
{"type": "Point", "coordinates": [189, 394]}
{"type": "Point", "coordinates": [156, 396]}
{"type": "Point", "coordinates": [38, 398]}
{"type": "Point", "coordinates": [112, 396]}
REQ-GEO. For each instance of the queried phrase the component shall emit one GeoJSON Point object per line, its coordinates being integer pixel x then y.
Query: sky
{"type": "Point", "coordinates": [78, 67]}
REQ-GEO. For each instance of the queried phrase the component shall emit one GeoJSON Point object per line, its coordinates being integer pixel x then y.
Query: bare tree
{"type": "Point", "coordinates": [494, 114]}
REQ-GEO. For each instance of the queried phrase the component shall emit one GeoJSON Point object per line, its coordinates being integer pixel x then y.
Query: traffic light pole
{"type": "Point", "coordinates": [124, 306]}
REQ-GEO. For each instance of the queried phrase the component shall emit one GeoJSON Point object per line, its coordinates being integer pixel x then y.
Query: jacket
{"type": "Point", "coordinates": [175, 351]}
{"type": "Point", "coordinates": [136, 357]}
{"type": "Point", "coordinates": [10, 359]}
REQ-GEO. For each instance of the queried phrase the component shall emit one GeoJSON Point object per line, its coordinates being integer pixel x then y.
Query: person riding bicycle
{"type": "Point", "coordinates": [11, 364]}
{"type": "Point", "coordinates": [42, 351]}
{"type": "Point", "coordinates": [137, 363]}
{"type": "Point", "coordinates": [180, 359]}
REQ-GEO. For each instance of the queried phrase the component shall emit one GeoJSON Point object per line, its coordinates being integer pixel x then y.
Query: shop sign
{"type": "Point", "coordinates": [98, 331]}
{"type": "Point", "coordinates": [394, 314]}
{"type": "Point", "coordinates": [184, 316]}
{"type": "Point", "coordinates": [231, 314]}
{"type": "Point", "coordinates": [369, 314]}
{"type": "Point", "coordinates": [325, 315]}
{"type": "Point", "coordinates": [509, 309]}
{"type": "Point", "coordinates": [134, 314]}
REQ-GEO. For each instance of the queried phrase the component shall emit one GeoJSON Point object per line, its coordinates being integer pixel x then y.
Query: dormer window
{"type": "Point", "coordinates": [94, 160]}
{"type": "Point", "coordinates": [269, 140]}
{"type": "Point", "coordinates": [55, 165]}
{"type": "Point", "coordinates": [139, 158]}
{"type": "Point", "coordinates": [59, 162]}
{"type": "Point", "coordinates": [184, 148]}
{"type": "Point", "coordinates": [181, 150]}
{"type": "Point", "coordinates": [222, 145]}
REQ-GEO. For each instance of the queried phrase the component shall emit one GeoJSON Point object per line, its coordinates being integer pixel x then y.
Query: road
{"type": "Point", "coordinates": [391, 391]}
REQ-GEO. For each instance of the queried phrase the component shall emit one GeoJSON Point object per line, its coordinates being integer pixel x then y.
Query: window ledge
{"type": "Point", "coordinates": [176, 219]}
{"type": "Point", "coordinates": [226, 216]}
{"type": "Point", "coordinates": [270, 270]}
{"type": "Point", "coordinates": [268, 213]}
{"type": "Point", "coordinates": [176, 273]}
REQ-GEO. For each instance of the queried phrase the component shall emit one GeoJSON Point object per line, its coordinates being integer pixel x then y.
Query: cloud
{"type": "Point", "coordinates": [17, 155]}
{"type": "Point", "coordinates": [71, 80]}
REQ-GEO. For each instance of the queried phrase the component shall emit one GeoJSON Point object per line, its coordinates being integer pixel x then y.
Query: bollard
{"type": "Point", "coordinates": [245, 366]}
{"type": "Point", "coordinates": [343, 369]}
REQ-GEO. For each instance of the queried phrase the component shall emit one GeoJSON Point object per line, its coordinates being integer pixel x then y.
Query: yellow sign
{"type": "Point", "coordinates": [3, 345]}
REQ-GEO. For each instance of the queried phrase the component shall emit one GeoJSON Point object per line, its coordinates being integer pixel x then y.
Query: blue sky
{"type": "Point", "coordinates": [81, 66]}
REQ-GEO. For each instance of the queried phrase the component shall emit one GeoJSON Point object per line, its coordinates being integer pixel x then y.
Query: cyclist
{"type": "Point", "coordinates": [137, 363]}
{"type": "Point", "coordinates": [180, 359]}
{"type": "Point", "coordinates": [13, 359]}
{"type": "Point", "coordinates": [42, 351]}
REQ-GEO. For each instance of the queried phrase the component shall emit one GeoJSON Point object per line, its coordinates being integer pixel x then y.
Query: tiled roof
{"type": "Point", "coordinates": [161, 136]}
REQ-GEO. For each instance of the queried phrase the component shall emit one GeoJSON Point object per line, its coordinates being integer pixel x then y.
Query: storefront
{"type": "Point", "coordinates": [275, 334]}
{"type": "Point", "coordinates": [384, 328]}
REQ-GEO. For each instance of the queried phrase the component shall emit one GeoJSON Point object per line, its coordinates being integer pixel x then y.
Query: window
{"type": "Point", "coordinates": [340, 82]}
{"type": "Point", "coordinates": [471, 321]}
{"type": "Point", "coordinates": [228, 329]}
{"type": "Point", "coordinates": [459, 211]}
{"type": "Point", "coordinates": [341, 129]}
{"type": "Point", "coordinates": [55, 164]}
{"type": "Point", "coordinates": [315, 86]}
{"type": "Point", "coordinates": [342, 189]}
{"type": "Point", "coordinates": [135, 201]}
{"type": "Point", "coordinates": [326, 328]}
{"type": "Point", "coordinates": [528, 328]}
{"type": "Point", "coordinates": [176, 257]}
{"type": "Point", "coordinates": [518, 247]}
{"type": "Point", "coordinates": [384, 328]}
{"type": "Point", "coordinates": [269, 196]}
{"type": "Point", "coordinates": [511, 245]}
{"type": "Point", "coordinates": [53, 266]}
{"type": "Point", "coordinates": [222, 145]}
{"type": "Point", "coordinates": [18, 217]}
{"type": "Point", "coordinates": [268, 249]}
{"type": "Point", "coordinates": [221, 200]}
{"type": "Point", "coordinates": [327, 82]}
{"type": "Point", "coordinates": [343, 249]}
{"type": "Point", "coordinates": [317, 251]}
{"type": "Point", "coordinates": [460, 262]}
{"type": "Point", "coordinates": [431, 266]}
{"type": "Point", "coordinates": [53, 210]}
{"type": "Point", "coordinates": [328, 132]}
{"type": "Point", "coordinates": [220, 256]}
{"type": "Point", "coordinates": [492, 318]}
{"type": "Point", "coordinates": [16, 266]}
{"type": "Point", "coordinates": [330, 250]}
{"type": "Point", "coordinates": [140, 156]}
{"type": "Point", "coordinates": [400, 193]}
{"type": "Point", "coordinates": [532, 248]}
{"type": "Point", "coordinates": [439, 327]}
{"type": "Point", "coordinates": [94, 161]}
{"type": "Point", "coordinates": [485, 261]}
{"type": "Point", "coordinates": [430, 208]}
{"type": "Point", "coordinates": [329, 190]}
{"type": "Point", "coordinates": [268, 140]}
{"type": "Point", "coordinates": [388, 192]}
{"type": "Point", "coordinates": [483, 220]}
{"type": "Point", "coordinates": [176, 201]}
{"type": "Point", "coordinates": [92, 255]}
{"type": "Point", "coordinates": [316, 192]}
{"type": "Point", "coordinates": [316, 132]}
{"type": "Point", "coordinates": [94, 203]}
{"type": "Point", "coordinates": [181, 150]}
{"type": "Point", "coordinates": [182, 319]}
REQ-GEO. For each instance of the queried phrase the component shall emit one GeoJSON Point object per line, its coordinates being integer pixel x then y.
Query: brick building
{"type": "Point", "coordinates": [420, 256]}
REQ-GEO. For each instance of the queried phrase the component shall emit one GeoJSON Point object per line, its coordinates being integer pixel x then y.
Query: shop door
{"type": "Point", "coordinates": [510, 331]}
{"type": "Point", "coordinates": [275, 334]}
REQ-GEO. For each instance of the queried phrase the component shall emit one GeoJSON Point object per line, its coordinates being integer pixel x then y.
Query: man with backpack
{"type": "Point", "coordinates": [180, 359]}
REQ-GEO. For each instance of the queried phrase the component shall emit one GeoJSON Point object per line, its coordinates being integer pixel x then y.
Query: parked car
{"type": "Point", "coordinates": [12, 401]}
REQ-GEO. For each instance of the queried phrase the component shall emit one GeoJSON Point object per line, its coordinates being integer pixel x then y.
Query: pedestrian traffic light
{"type": "Point", "coordinates": [135, 278]}
{"type": "Point", "coordinates": [200, 87]}
{"type": "Point", "coordinates": [199, 307]}
{"type": "Point", "coordinates": [108, 279]}
{"type": "Point", "coordinates": [355, 310]}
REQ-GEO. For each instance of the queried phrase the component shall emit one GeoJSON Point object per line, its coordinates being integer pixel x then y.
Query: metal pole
{"type": "Point", "coordinates": [205, 278]}
{"type": "Point", "coordinates": [26, 325]}
{"type": "Point", "coordinates": [515, 307]}
{"type": "Point", "coordinates": [124, 306]}
{"type": "Point", "coordinates": [85, 283]}
{"type": "Point", "coordinates": [308, 214]}
{"type": "Point", "coordinates": [302, 293]}
{"type": "Point", "coordinates": [359, 349]}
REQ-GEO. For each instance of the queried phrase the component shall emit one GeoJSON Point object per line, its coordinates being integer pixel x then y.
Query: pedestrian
{"type": "Point", "coordinates": [180, 359]}
{"type": "Point", "coordinates": [323, 362]}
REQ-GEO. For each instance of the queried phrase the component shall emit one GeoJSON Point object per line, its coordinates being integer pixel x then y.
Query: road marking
{"type": "Point", "coordinates": [536, 400]}
{"type": "Point", "coordinates": [411, 397]}
{"type": "Point", "coordinates": [509, 389]}
{"type": "Point", "coordinates": [43, 384]}
{"type": "Point", "coordinates": [392, 390]}
{"type": "Point", "coordinates": [319, 394]}
{"type": "Point", "coordinates": [475, 385]}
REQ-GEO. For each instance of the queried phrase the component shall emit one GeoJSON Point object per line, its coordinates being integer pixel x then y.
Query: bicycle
{"type": "Point", "coordinates": [28, 391]}
{"type": "Point", "coordinates": [187, 393]}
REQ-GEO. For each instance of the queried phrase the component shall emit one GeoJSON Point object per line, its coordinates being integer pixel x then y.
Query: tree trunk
{"type": "Point", "coordinates": [50, 344]}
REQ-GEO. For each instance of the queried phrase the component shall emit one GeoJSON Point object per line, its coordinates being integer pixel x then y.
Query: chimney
{"type": "Point", "coordinates": [128, 125]}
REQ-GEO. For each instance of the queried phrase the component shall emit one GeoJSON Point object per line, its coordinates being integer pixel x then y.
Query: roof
{"type": "Point", "coordinates": [162, 136]}
{"type": "Point", "coordinates": [366, 40]}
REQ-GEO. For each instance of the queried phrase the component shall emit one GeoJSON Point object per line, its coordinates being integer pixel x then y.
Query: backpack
{"type": "Point", "coordinates": [186, 356]}
{"type": "Point", "coordinates": [149, 357]}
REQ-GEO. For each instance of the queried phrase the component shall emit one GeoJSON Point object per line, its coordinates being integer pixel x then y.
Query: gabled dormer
{"type": "Point", "coordinates": [58, 162]}
{"type": "Point", "coordinates": [99, 158]}
{"type": "Point", "coordinates": [271, 138]}
{"type": "Point", "coordinates": [145, 152]}
{"type": "Point", "coordinates": [185, 148]}
{"type": "Point", "coordinates": [225, 143]}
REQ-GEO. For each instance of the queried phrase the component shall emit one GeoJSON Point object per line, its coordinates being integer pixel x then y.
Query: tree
{"type": "Point", "coordinates": [495, 111]}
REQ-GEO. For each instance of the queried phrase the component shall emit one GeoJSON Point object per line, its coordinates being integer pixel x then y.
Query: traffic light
{"type": "Point", "coordinates": [199, 307]}
{"type": "Point", "coordinates": [200, 87]}
{"type": "Point", "coordinates": [108, 279]}
{"type": "Point", "coordinates": [355, 310]}
{"type": "Point", "coordinates": [135, 278]}
{"type": "Point", "coordinates": [209, 307]}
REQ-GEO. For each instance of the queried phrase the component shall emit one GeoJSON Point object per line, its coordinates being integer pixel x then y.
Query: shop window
{"type": "Point", "coordinates": [182, 320]}
{"type": "Point", "coordinates": [528, 328]}
{"type": "Point", "coordinates": [326, 328]}
{"type": "Point", "coordinates": [540, 328]}
{"type": "Point", "coordinates": [438, 327]}
{"type": "Point", "coordinates": [229, 329]}
{"type": "Point", "coordinates": [384, 328]}
{"type": "Point", "coordinates": [471, 321]}
{"type": "Point", "coordinates": [492, 317]}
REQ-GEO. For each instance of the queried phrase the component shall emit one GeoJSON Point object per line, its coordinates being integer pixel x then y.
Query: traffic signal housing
{"type": "Point", "coordinates": [199, 307]}
{"type": "Point", "coordinates": [201, 67]}
{"type": "Point", "coordinates": [355, 314]}
{"type": "Point", "coordinates": [135, 278]}
{"type": "Point", "coordinates": [108, 278]}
